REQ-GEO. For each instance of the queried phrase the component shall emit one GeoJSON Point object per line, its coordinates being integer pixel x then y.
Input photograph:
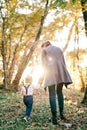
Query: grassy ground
{"type": "Point", "coordinates": [12, 112]}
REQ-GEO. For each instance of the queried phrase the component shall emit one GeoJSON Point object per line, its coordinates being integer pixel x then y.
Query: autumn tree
{"type": "Point", "coordinates": [20, 31]}
{"type": "Point", "coordinates": [5, 43]}
{"type": "Point", "coordinates": [75, 3]}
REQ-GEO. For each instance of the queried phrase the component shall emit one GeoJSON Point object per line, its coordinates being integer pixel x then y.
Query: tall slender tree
{"type": "Point", "coordinates": [26, 59]}
{"type": "Point", "coordinates": [3, 48]}
{"type": "Point", "coordinates": [84, 11]}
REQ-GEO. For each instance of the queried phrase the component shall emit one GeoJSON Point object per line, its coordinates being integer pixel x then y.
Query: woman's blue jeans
{"type": "Point", "coordinates": [28, 101]}
{"type": "Point", "coordinates": [52, 99]}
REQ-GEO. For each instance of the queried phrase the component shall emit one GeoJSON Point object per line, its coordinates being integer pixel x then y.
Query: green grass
{"type": "Point", "coordinates": [12, 111]}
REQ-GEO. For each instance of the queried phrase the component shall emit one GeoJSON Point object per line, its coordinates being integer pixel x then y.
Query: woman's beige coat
{"type": "Point", "coordinates": [55, 71]}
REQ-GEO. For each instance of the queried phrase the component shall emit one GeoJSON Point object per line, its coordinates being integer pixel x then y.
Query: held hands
{"type": "Point", "coordinates": [45, 89]}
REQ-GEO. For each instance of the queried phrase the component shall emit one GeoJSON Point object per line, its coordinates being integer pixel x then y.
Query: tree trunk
{"type": "Point", "coordinates": [77, 56]}
{"type": "Point", "coordinates": [26, 59]}
{"type": "Point", "coordinates": [84, 11]}
{"type": "Point", "coordinates": [21, 68]}
{"type": "Point", "coordinates": [81, 78]}
{"type": "Point", "coordinates": [69, 37]}
{"type": "Point", "coordinates": [11, 69]}
{"type": "Point", "coordinates": [3, 52]}
{"type": "Point", "coordinates": [84, 101]}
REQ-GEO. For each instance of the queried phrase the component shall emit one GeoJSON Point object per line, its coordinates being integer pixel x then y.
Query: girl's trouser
{"type": "Point", "coordinates": [28, 101]}
{"type": "Point", "coordinates": [52, 98]}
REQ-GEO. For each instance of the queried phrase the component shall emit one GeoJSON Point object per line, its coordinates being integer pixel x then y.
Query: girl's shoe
{"type": "Point", "coordinates": [26, 118]}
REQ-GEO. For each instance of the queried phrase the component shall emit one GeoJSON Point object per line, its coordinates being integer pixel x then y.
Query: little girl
{"type": "Point", "coordinates": [27, 92]}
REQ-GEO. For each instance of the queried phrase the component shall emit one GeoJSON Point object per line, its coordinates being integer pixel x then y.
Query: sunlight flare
{"type": "Point", "coordinates": [37, 73]}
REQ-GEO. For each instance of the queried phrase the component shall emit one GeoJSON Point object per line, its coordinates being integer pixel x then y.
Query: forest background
{"type": "Point", "coordinates": [24, 26]}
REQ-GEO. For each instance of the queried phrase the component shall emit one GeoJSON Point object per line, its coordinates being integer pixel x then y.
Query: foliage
{"type": "Point", "coordinates": [76, 63]}
{"type": "Point", "coordinates": [73, 1]}
{"type": "Point", "coordinates": [2, 86]}
{"type": "Point", "coordinates": [20, 28]}
{"type": "Point", "coordinates": [12, 112]}
{"type": "Point", "coordinates": [19, 32]}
